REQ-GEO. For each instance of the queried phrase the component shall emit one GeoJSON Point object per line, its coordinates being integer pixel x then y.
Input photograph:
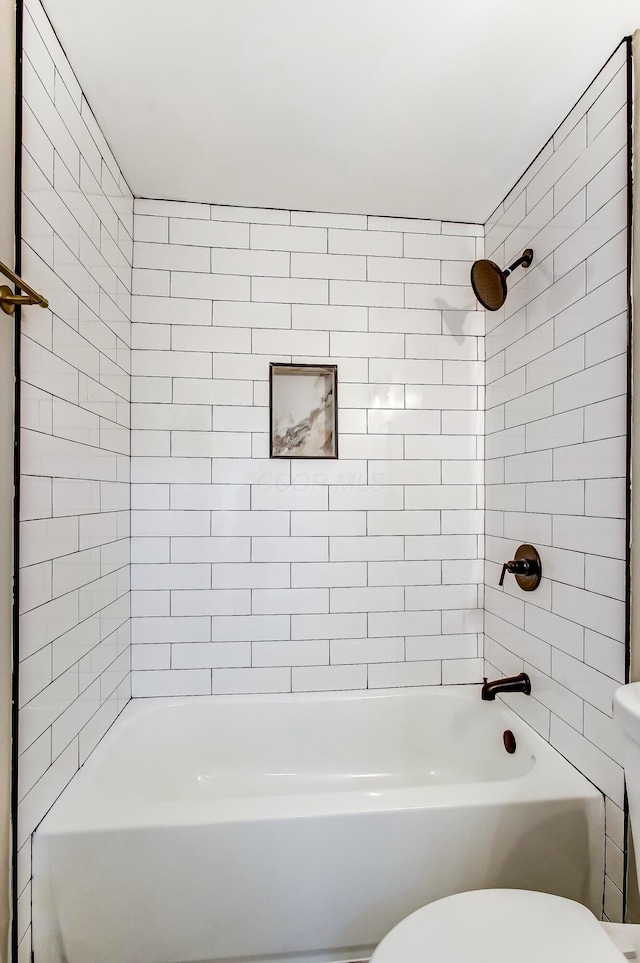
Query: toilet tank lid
{"type": "Point", "coordinates": [499, 926]}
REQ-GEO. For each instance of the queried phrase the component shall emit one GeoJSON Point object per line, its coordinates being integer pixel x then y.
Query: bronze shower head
{"type": "Point", "coordinates": [489, 282]}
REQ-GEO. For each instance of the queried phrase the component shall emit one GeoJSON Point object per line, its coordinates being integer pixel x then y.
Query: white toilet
{"type": "Point", "coordinates": [521, 926]}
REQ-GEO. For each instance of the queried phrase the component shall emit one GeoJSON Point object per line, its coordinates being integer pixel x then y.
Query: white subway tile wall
{"type": "Point", "coordinates": [255, 575]}
{"type": "Point", "coordinates": [77, 247]}
{"type": "Point", "coordinates": [259, 575]}
{"type": "Point", "coordinates": [556, 441]}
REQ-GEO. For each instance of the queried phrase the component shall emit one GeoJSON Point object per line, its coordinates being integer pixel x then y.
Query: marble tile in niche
{"type": "Point", "coordinates": [303, 411]}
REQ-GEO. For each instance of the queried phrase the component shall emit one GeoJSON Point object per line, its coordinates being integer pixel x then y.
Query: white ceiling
{"type": "Point", "coordinates": [416, 108]}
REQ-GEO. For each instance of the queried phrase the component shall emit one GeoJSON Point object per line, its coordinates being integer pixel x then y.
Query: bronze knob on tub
{"type": "Point", "coordinates": [527, 568]}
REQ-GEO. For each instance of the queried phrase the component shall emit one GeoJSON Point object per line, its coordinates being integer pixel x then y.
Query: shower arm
{"type": "Point", "coordinates": [525, 261]}
{"type": "Point", "coordinates": [8, 299]}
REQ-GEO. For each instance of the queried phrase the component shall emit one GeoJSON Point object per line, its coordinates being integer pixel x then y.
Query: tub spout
{"type": "Point", "coordinates": [514, 683]}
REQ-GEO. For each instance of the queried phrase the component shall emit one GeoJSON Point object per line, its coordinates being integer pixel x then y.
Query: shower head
{"type": "Point", "coordinates": [489, 282]}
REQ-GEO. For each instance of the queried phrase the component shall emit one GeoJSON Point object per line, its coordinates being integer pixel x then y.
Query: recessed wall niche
{"type": "Point", "coordinates": [303, 410]}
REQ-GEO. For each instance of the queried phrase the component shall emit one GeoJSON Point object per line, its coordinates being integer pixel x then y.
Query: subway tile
{"type": "Point", "coordinates": [216, 602]}
{"type": "Point", "coordinates": [413, 320]}
{"type": "Point", "coordinates": [330, 266]}
{"type": "Point", "coordinates": [448, 297]}
{"type": "Point", "coordinates": [404, 573]}
{"type": "Point", "coordinates": [338, 626]}
{"type": "Point", "coordinates": [202, 548]}
{"type": "Point", "coordinates": [254, 680]}
{"type": "Point", "coordinates": [206, 234]}
{"type": "Point", "coordinates": [607, 340]}
{"type": "Point", "coordinates": [463, 372]}
{"type": "Point", "coordinates": [404, 269]}
{"type": "Point", "coordinates": [561, 159]}
{"type": "Point", "coordinates": [239, 523]}
{"type": "Point", "coordinates": [210, 655]}
{"type": "Point", "coordinates": [290, 342]}
{"type": "Point", "coordinates": [531, 467]}
{"type": "Point", "coordinates": [366, 651]}
{"type": "Point", "coordinates": [590, 760]}
{"type": "Point", "coordinates": [374, 599]}
{"type": "Point", "coordinates": [372, 242]}
{"type": "Point", "coordinates": [592, 460]}
{"type": "Point", "coordinates": [610, 88]}
{"type": "Point", "coordinates": [428, 547]}
{"type": "Point", "coordinates": [150, 228]}
{"type": "Point", "coordinates": [291, 549]}
{"type": "Point", "coordinates": [596, 231]}
{"type": "Point", "coordinates": [597, 612]}
{"type": "Point", "coordinates": [445, 647]}
{"type": "Point", "coordinates": [586, 682]}
{"type": "Point", "coordinates": [288, 290]}
{"type": "Point", "coordinates": [312, 652]}
{"type": "Point", "coordinates": [329, 317]}
{"type": "Point", "coordinates": [607, 183]}
{"type": "Point", "coordinates": [412, 225]}
{"type": "Point", "coordinates": [371, 293]}
{"type": "Point", "coordinates": [452, 397]}
{"type": "Point", "coordinates": [392, 421]}
{"type": "Point", "coordinates": [605, 497]}
{"type": "Point", "coordinates": [604, 302]}
{"type": "Point", "coordinates": [152, 283]}
{"type": "Point", "coordinates": [440, 447]}
{"type": "Point", "coordinates": [289, 601]}
{"type": "Point", "coordinates": [406, 523]}
{"type": "Point", "coordinates": [365, 549]}
{"type": "Point", "coordinates": [440, 496]}
{"type": "Point", "coordinates": [447, 248]}
{"type": "Point", "coordinates": [154, 630]}
{"type": "Point", "coordinates": [362, 445]}
{"type": "Point", "coordinates": [529, 406]}
{"type": "Point", "coordinates": [389, 396]}
{"type": "Point", "coordinates": [285, 498]}
{"type": "Point", "coordinates": [235, 261]}
{"type": "Point", "coordinates": [441, 346]}
{"type": "Point", "coordinates": [614, 817]}
{"type": "Point", "coordinates": [434, 597]}
{"type": "Point", "coordinates": [176, 576]}
{"type": "Point", "coordinates": [161, 208]}
{"type": "Point", "coordinates": [417, 471]}
{"type": "Point", "coordinates": [504, 606]}
{"type": "Point", "coordinates": [530, 649]}
{"type": "Point", "coordinates": [589, 163]}
{"type": "Point", "coordinates": [562, 701]}
{"type": "Point", "coordinates": [150, 657]}
{"type": "Point", "coordinates": [357, 498]}
{"type": "Point", "coordinates": [204, 286]}
{"type": "Point", "coordinates": [332, 677]}
{"type": "Point", "coordinates": [171, 257]}
{"type": "Point", "coordinates": [596, 383]}
{"type": "Point", "coordinates": [461, 571]}
{"type": "Point", "coordinates": [328, 574]}
{"type": "Point", "coordinates": [288, 238]}
{"type": "Point", "coordinates": [462, 671]}
{"type": "Point", "coordinates": [599, 536]}
{"type": "Point", "coordinates": [604, 654]}
{"type": "Point", "coordinates": [175, 682]}
{"type": "Point", "coordinates": [399, 675]}
{"type": "Point", "coordinates": [405, 623]}
{"type": "Point", "coordinates": [37, 802]}
{"type": "Point", "coordinates": [462, 621]}
{"type": "Point", "coordinates": [309, 524]}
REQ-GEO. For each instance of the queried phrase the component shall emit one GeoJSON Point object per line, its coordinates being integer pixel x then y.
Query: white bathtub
{"type": "Point", "coordinates": [302, 827]}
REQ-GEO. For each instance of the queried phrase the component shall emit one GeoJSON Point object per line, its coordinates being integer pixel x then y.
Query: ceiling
{"type": "Point", "coordinates": [415, 108]}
